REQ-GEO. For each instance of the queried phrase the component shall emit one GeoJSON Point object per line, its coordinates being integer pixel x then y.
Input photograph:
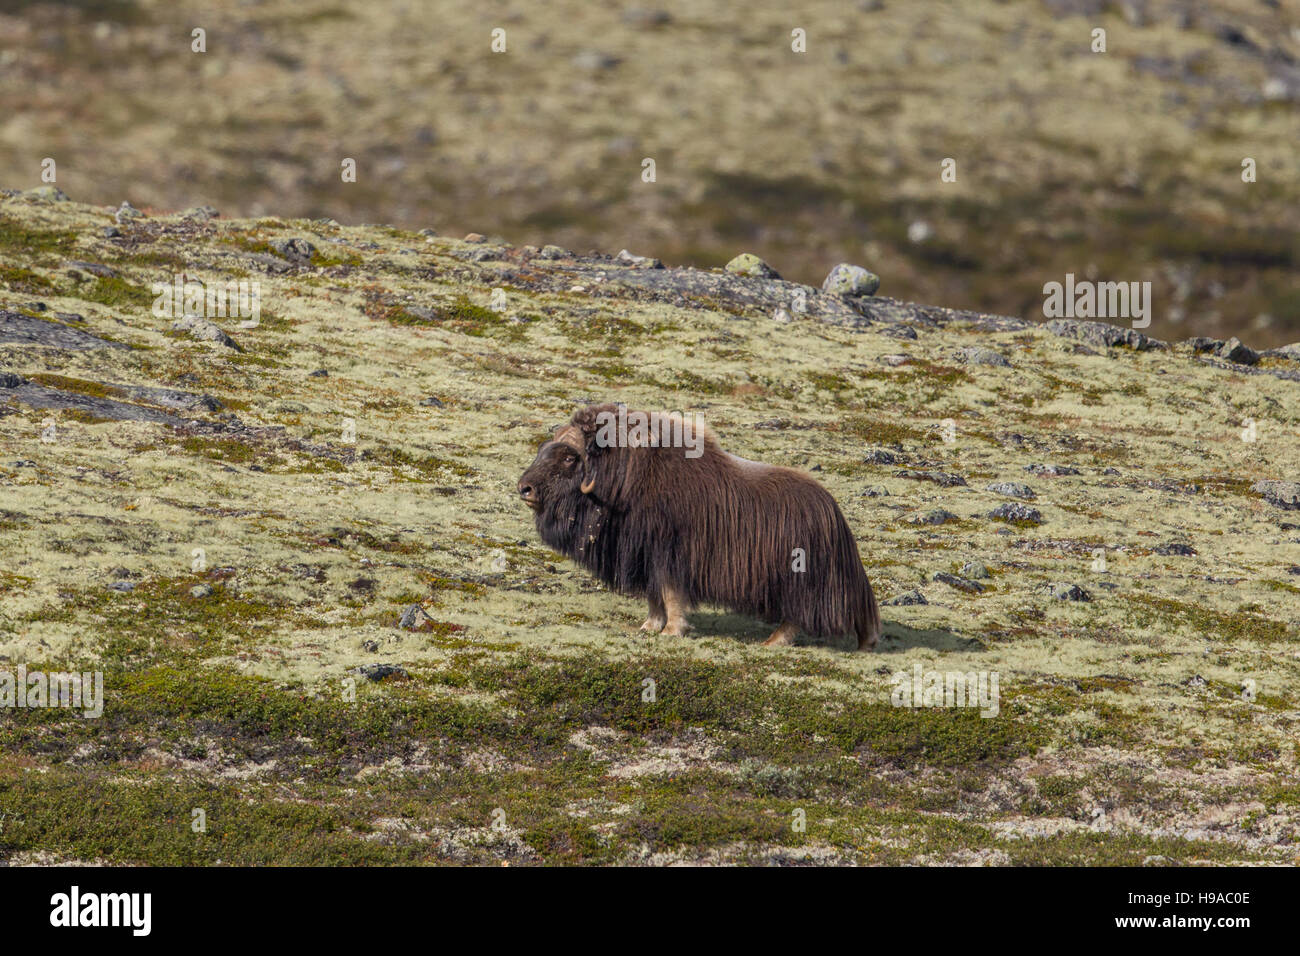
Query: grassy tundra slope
{"type": "Point", "coordinates": [1123, 734]}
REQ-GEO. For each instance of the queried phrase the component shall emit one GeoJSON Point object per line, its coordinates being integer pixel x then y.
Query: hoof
{"type": "Point", "coordinates": [653, 625]}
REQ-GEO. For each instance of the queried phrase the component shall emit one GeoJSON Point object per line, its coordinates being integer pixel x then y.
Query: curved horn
{"type": "Point", "coordinates": [572, 436]}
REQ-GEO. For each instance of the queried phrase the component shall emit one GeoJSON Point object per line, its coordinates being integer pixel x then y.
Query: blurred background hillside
{"type": "Point", "coordinates": [1120, 166]}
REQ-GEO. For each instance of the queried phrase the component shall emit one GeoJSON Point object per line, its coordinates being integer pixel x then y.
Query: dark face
{"type": "Point", "coordinates": [554, 475]}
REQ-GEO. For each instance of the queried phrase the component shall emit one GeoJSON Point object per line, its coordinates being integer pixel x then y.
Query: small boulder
{"type": "Point", "coordinates": [748, 264]}
{"type": "Point", "coordinates": [851, 280]}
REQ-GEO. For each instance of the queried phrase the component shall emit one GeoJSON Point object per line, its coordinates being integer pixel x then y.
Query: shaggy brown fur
{"type": "Point", "coordinates": [650, 521]}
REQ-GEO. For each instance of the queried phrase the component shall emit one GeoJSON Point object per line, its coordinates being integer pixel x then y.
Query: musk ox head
{"type": "Point", "coordinates": [565, 468]}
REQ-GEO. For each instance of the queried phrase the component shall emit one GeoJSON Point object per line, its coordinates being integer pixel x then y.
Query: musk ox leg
{"type": "Point", "coordinates": [676, 606]}
{"type": "Point", "coordinates": [658, 616]}
{"type": "Point", "coordinates": [783, 635]}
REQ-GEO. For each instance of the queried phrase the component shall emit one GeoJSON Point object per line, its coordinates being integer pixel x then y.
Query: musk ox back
{"type": "Point", "coordinates": [650, 503]}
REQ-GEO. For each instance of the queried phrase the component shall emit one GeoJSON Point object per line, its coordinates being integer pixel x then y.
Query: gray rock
{"type": "Point", "coordinates": [1016, 513]}
{"type": "Point", "coordinates": [1289, 352]}
{"type": "Point", "coordinates": [124, 586]}
{"type": "Point", "coordinates": [935, 516]}
{"type": "Point", "coordinates": [748, 264]}
{"type": "Point", "coordinates": [1102, 334]}
{"type": "Point", "coordinates": [1283, 494]}
{"type": "Point", "coordinates": [846, 279]}
{"type": "Point", "coordinates": [295, 250]}
{"type": "Point", "coordinates": [201, 213]}
{"type": "Point", "coordinates": [94, 268]}
{"type": "Point", "coordinates": [379, 672]}
{"type": "Point", "coordinates": [432, 401]}
{"type": "Point", "coordinates": [20, 329]}
{"type": "Point", "coordinates": [127, 211]}
{"type": "Point", "coordinates": [961, 584]}
{"type": "Point", "coordinates": [1067, 592]}
{"type": "Point", "coordinates": [46, 194]}
{"type": "Point", "coordinates": [906, 599]}
{"type": "Point", "coordinates": [976, 355]}
{"type": "Point", "coordinates": [201, 591]}
{"type": "Point", "coordinates": [1051, 470]}
{"type": "Point", "coordinates": [553, 252]}
{"type": "Point", "coordinates": [203, 330]}
{"type": "Point", "coordinates": [414, 618]}
{"type": "Point", "coordinates": [975, 570]}
{"type": "Point", "coordinates": [638, 262]}
{"type": "Point", "coordinates": [1012, 489]}
{"type": "Point", "coordinates": [878, 456]}
{"type": "Point", "coordinates": [1175, 548]}
{"type": "Point", "coordinates": [941, 478]}
{"type": "Point", "coordinates": [1233, 351]}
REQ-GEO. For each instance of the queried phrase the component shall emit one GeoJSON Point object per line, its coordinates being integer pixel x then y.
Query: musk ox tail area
{"type": "Point", "coordinates": [868, 625]}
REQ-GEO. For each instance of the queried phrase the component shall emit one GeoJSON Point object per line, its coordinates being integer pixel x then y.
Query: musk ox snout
{"type": "Point", "coordinates": [529, 494]}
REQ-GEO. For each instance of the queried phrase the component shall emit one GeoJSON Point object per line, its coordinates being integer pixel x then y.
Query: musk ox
{"type": "Point", "coordinates": [650, 504]}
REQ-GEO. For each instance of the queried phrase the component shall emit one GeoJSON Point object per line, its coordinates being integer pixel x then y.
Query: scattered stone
{"type": "Point", "coordinates": [47, 193]}
{"type": "Point", "coordinates": [941, 478]}
{"type": "Point", "coordinates": [595, 61]}
{"type": "Point", "coordinates": [201, 591]}
{"type": "Point", "coordinates": [124, 586]}
{"type": "Point", "coordinates": [1201, 343]}
{"type": "Point", "coordinates": [646, 17]}
{"type": "Point", "coordinates": [94, 268]}
{"type": "Point", "coordinates": [748, 264]}
{"type": "Point", "coordinates": [553, 252]}
{"type": "Point", "coordinates": [878, 456]}
{"type": "Point", "coordinates": [474, 237]}
{"type": "Point", "coordinates": [201, 213]}
{"type": "Point", "coordinates": [371, 647]}
{"type": "Point", "coordinates": [1102, 334]}
{"type": "Point", "coordinates": [432, 401]}
{"type": "Point", "coordinates": [11, 380]}
{"type": "Point", "coordinates": [1289, 352]}
{"type": "Point", "coordinates": [1012, 489]}
{"type": "Point", "coordinates": [319, 373]}
{"type": "Point", "coordinates": [379, 672]}
{"type": "Point", "coordinates": [201, 329]}
{"type": "Point", "coordinates": [111, 232]}
{"type": "Point", "coordinates": [1067, 592]}
{"type": "Point", "coordinates": [295, 250]}
{"type": "Point", "coordinates": [876, 491]}
{"type": "Point", "coordinates": [961, 584]}
{"type": "Point", "coordinates": [1283, 494]}
{"type": "Point", "coordinates": [1016, 513]}
{"type": "Point", "coordinates": [906, 599]}
{"type": "Point", "coordinates": [1233, 351]}
{"type": "Point", "coordinates": [976, 355]}
{"type": "Point", "coordinates": [896, 360]}
{"type": "Point", "coordinates": [414, 618]}
{"type": "Point", "coordinates": [428, 233]}
{"type": "Point", "coordinates": [975, 570]}
{"type": "Point", "coordinates": [127, 211]}
{"type": "Point", "coordinates": [934, 516]}
{"type": "Point", "coordinates": [851, 280]}
{"type": "Point", "coordinates": [1175, 548]}
{"type": "Point", "coordinates": [1196, 680]}
{"type": "Point", "coordinates": [638, 262]}
{"type": "Point", "coordinates": [20, 329]}
{"type": "Point", "coordinates": [1051, 470]}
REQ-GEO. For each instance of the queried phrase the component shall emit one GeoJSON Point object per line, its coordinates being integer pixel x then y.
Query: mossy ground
{"type": "Point", "coordinates": [522, 731]}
